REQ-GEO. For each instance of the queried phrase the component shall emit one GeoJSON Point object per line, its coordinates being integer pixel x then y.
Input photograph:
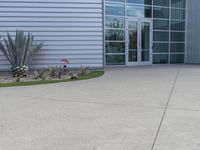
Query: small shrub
{"type": "Point", "coordinates": [43, 74]}
{"type": "Point", "coordinates": [36, 74]}
{"type": "Point", "coordinates": [19, 52]}
{"type": "Point", "coordinates": [83, 71]}
{"type": "Point", "coordinates": [54, 72]}
{"type": "Point", "coordinates": [51, 73]}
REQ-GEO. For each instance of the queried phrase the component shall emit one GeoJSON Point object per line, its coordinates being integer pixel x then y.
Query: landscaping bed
{"type": "Point", "coordinates": [19, 52]}
{"type": "Point", "coordinates": [9, 81]}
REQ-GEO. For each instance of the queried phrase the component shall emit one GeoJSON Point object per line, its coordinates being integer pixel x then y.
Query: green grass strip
{"type": "Point", "coordinates": [91, 75]}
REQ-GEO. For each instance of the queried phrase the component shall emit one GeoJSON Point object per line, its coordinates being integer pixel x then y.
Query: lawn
{"type": "Point", "coordinates": [91, 75]}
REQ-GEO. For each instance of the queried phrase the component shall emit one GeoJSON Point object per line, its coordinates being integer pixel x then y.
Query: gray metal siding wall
{"type": "Point", "coordinates": [193, 32]}
{"type": "Point", "coordinates": [71, 29]}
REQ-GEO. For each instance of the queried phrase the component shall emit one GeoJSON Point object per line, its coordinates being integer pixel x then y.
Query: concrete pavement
{"type": "Point", "coordinates": [138, 108]}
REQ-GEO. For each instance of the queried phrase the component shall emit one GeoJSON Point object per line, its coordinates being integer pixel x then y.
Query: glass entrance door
{"type": "Point", "coordinates": [138, 42]}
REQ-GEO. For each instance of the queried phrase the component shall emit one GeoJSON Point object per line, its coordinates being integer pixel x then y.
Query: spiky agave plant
{"type": "Point", "coordinates": [20, 51]}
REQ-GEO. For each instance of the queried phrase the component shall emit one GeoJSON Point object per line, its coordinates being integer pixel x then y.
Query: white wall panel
{"type": "Point", "coordinates": [71, 29]}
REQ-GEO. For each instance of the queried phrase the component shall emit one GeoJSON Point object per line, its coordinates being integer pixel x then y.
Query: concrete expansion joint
{"type": "Point", "coordinates": [166, 107]}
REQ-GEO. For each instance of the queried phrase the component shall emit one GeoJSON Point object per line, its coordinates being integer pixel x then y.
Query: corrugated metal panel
{"type": "Point", "coordinates": [71, 29]}
{"type": "Point", "coordinates": [193, 32]}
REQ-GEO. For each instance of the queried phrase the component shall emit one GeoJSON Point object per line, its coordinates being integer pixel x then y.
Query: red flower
{"type": "Point", "coordinates": [65, 61]}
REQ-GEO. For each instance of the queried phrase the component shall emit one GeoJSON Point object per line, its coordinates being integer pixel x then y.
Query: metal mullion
{"type": "Point", "coordinates": [164, 42]}
{"type": "Point", "coordinates": [186, 16]}
{"type": "Point", "coordinates": [114, 29]}
{"type": "Point", "coordinates": [104, 31]}
{"type": "Point", "coordinates": [177, 31]}
{"type": "Point", "coordinates": [161, 30]}
{"type": "Point", "coordinates": [165, 19]}
{"type": "Point", "coordinates": [174, 42]}
{"type": "Point", "coordinates": [160, 53]}
{"type": "Point", "coordinates": [170, 17]}
{"type": "Point", "coordinates": [114, 53]}
{"type": "Point", "coordinates": [176, 53]}
{"type": "Point", "coordinates": [114, 41]}
{"type": "Point", "coordinates": [177, 20]}
{"type": "Point", "coordinates": [114, 16]}
{"type": "Point", "coordinates": [126, 34]}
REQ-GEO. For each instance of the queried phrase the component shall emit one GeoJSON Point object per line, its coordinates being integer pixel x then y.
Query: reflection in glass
{"type": "Point", "coordinates": [145, 55]}
{"type": "Point", "coordinates": [159, 12]}
{"type": "Point", "coordinates": [164, 25]}
{"type": "Point", "coordinates": [115, 9]}
{"type": "Point", "coordinates": [160, 24]}
{"type": "Point", "coordinates": [115, 47]}
{"type": "Point", "coordinates": [178, 14]}
{"type": "Point", "coordinates": [133, 41]}
{"type": "Point", "coordinates": [115, 59]}
{"type": "Point", "coordinates": [164, 3]}
{"type": "Point", "coordinates": [177, 47]}
{"type": "Point", "coordinates": [161, 36]}
{"type": "Point", "coordinates": [145, 35]}
{"type": "Point", "coordinates": [161, 47]}
{"type": "Point", "coordinates": [139, 11]}
{"type": "Point", "coordinates": [178, 25]}
{"type": "Point", "coordinates": [144, 2]}
{"type": "Point", "coordinates": [179, 3]}
{"type": "Point", "coordinates": [115, 35]}
{"type": "Point", "coordinates": [160, 58]}
{"type": "Point", "coordinates": [145, 40]}
{"type": "Point", "coordinates": [176, 58]}
{"type": "Point", "coordinates": [178, 36]}
{"type": "Point", "coordinates": [114, 22]}
{"type": "Point", "coordinates": [133, 35]}
{"type": "Point", "coordinates": [132, 56]}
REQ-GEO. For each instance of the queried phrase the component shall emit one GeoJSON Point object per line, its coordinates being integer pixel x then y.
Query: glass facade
{"type": "Point", "coordinates": [168, 17]}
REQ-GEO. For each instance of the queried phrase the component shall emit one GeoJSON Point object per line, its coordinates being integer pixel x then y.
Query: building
{"type": "Point", "coordinates": [100, 33]}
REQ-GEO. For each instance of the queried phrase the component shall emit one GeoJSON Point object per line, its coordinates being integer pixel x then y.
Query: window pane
{"type": "Point", "coordinates": [132, 55]}
{"type": "Point", "coordinates": [115, 9]}
{"type": "Point", "coordinates": [160, 58]}
{"type": "Point", "coordinates": [161, 3]}
{"type": "Point", "coordinates": [115, 47]}
{"type": "Point", "coordinates": [144, 2]}
{"type": "Point", "coordinates": [177, 36]}
{"type": "Point", "coordinates": [139, 11]}
{"type": "Point", "coordinates": [161, 47]}
{"type": "Point", "coordinates": [115, 59]}
{"type": "Point", "coordinates": [145, 55]}
{"type": "Point", "coordinates": [114, 22]}
{"type": "Point", "coordinates": [161, 24]}
{"type": "Point", "coordinates": [177, 47]}
{"type": "Point", "coordinates": [133, 34]}
{"type": "Point", "coordinates": [178, 14]}
{"type": "Point", "coordinates": [178, 25]}
{"type": "Point", "coordinates": [115, 35]}
{"type": "Point", "coordinates": [160, 36]}
{"type": "Point", "coordinates": [145, 35]}
{"type": "Point", "coordinates": [159, 12]}
{"type": "Point", "coordinates": [179, 3]}
{"type": "Point", "coordinates": [176, 58]}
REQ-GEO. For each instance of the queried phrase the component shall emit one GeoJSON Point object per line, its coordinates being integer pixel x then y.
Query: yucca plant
{"type": "Point", "coordinates": [19, 52]}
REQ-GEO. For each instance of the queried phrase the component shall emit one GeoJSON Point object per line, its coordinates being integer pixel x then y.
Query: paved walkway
{"type": "Point", "coordinates": [139, 108]}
